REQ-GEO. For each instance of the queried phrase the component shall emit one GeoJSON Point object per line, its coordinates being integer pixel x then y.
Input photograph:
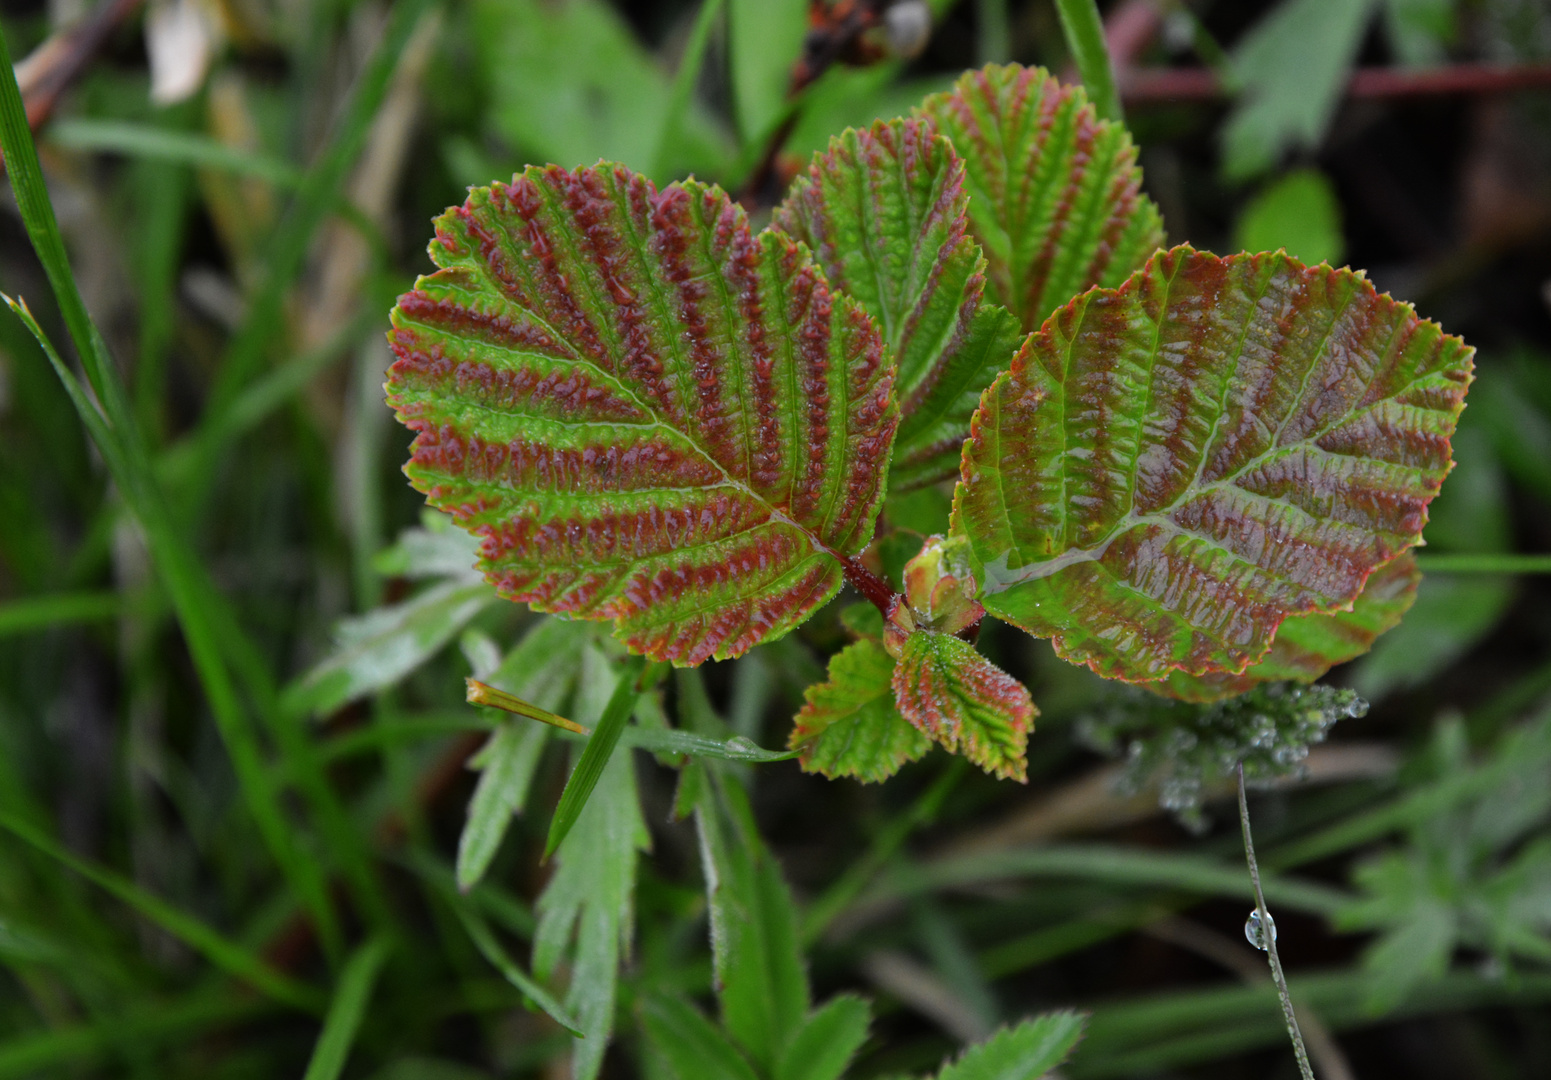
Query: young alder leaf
{"type": "Point", "coordinates": [968, 704]}
{"type": "Point", "coordinates": [850, 725]}
{"type": "Point", "coordinates": [825, 1044]}
{"type": "Point", "coordinates": [756, 959]}
{"type": "Point", "coordinates": [592, 893]}
{"type": "Point", "coordinates": [886, 214]}
{"type": "Point", "coordinates": [648, 414]}
{"type": "Point", "coordinates": [1307, 646]}
{"type": "Point", "coordinates": [1170, 469]}
{"type": "Point", "coordinates": [1025, 1052]}
{"type": "Point", "coordinates": [688, 1044]}
{"type": "Point", "coordinates": [540, 670]}
{"type": "Point", "coordinates": [1055, 194]}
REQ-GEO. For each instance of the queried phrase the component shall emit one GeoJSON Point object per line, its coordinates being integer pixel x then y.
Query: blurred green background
{"type": "Point", "coordinates": [245, 186]}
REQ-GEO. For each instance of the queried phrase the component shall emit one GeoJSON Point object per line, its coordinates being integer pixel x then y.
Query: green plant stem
{"type": "Point", "coordinates": [1084, 31]}
{"type": "Point", "coordinates": [1484, 564]}
{"type": "Point", "coordinates": [1268, 937]}
{"type": "Point", "coordinates": [41, 612]}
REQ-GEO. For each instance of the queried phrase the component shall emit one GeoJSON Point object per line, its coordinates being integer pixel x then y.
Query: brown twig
{"type": "Point", "coordinates": [50, 68]}
{"type": "Point", "coordinates": [1153, 86]}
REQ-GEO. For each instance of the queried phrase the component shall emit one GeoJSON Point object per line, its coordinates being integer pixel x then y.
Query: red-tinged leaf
{"type": "Point", "coordinates": [965, 702]}
{"type": "Point", "coordinates": [886, 214]}
{"type": "Point", "coordinates": [1307, 646]}
{"type": "Point", "coordinates": [850, 726]}
{"type": "Point", "coordinates": [1170, 469]}
{"type": "Point", "coordinates": [645, 412]}
{"type": "Point", "coordinates": [1054, 192]}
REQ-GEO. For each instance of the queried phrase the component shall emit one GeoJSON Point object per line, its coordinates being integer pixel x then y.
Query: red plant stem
{"type": "Point", "coordinates": [869, 584]}
{"type": "Point", "coordinates": [1147, 86]}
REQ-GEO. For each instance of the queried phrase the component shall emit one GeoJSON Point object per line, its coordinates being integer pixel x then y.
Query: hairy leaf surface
{"type": "Point", "coordinates": [1055, 195]}
{"type": "Point", "coordinates": [850, 725]}
{"type": "Point", "coordinates": [965, 702]}
{"type": "Point", "coordinates": [1170, 469]}
{"type": "Point", "coordinates": [1307, 646]}
{"type": "Point", "coordinates": [886, 214]}
{"type": "Point", "coordinates": [646, 413]}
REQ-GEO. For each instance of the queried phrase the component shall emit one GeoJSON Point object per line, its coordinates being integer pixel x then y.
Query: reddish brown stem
{"type": "Point", "coordinates": [1146, 86]}
{"type": "Point", "coordinates": [870, 585]}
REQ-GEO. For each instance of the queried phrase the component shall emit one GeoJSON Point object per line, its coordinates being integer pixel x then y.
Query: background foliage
{"type": "Point", "coordinates": [234, 795]}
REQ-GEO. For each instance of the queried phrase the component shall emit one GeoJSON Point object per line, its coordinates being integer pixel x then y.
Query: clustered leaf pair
{"type": "Point", "coordinates": [1188, 472]}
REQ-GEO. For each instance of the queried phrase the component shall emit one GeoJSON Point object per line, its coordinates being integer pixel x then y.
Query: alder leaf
{"type": "Point", "coordinates": [645, 412]}
{"type": "Point", "coordinates": [1054, 192]}
{"type": "Point", "coordinates": [886, 214]}
{"type": "Point", "coordinates": [968, 704]}
{"type": "Point", "coordinates": [1307, 646]}
{"type": "Point", "coordinates": [850, 725]}
{"type": "Point", "coordinates": [1170, 469]}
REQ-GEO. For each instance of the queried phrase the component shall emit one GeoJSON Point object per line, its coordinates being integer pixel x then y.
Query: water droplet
{"type": "Point", "coordinates": [1253, 932]}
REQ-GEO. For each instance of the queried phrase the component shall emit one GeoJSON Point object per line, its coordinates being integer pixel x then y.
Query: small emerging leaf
{"type": "Point", "coordinates": [886, 214]}
{"type": "Point", "coordinates": [825, 1044]}
{"type": "Point", "coordinates": [1170, 469]}
{"type": "Point", "coordinates": [648, 414]}
{"type": "Point", "coordinates": [1026, 1052]}
{"type": "Point", "coordinates": [1055, 195]}
{"type": "Point", "coordinates": [968, 704]}
{"type": "Point", "coordinates": [850, 725]}
{"type": "Point", "coordinates": [1307, 646]}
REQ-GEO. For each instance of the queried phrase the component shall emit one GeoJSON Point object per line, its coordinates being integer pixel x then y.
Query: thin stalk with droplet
{"type": "Point", "coordinates": [1268, 938]}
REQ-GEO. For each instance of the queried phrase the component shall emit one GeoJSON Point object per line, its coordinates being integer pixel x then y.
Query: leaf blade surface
{"type": "Point", "coordinates": [1152, 507]}
{"type": "Point", "coordinates": [647, 414]}
{"type": "Point", "coordinates": [1054, 192]}
{"type": "Point", "coordinates": [965, 702]}
{"type": "Point", "coordinates": [849, 725]}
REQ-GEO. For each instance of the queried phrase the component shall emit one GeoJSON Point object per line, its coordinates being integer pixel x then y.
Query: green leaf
{"type": "Point", "coordinates": [1054, 192]}
{"type": "Point", "coordinates": [968, 704]}
{"type": "Point", "coordinates": [571, 83]}
{"type": "Point", "coordinates": [646, 413]}
{"type": "Point", "coordinates": [541, 670]}
{"type": "Point", "coordinates": [850, 725]}
{"type": "Point", "coordinates": [1299, 212]}
{"type": "Point", "coordinates": [1025, 1052]}
{"type": "Point", "coordinates": [756, 957]}
{"type": "Point", "coordinates": [346, 1011]}
{"type": "Point", "coordinates": [1307, 646]}
{"type": "Point", "coordinates": [596, 753]}
{"type": "Point", "coordinates": [823, 1047]}
{"type": "Point", "coordinates": [592, 892]}
{"type": "Point", "coordinates": [736, 748]}
{"type": "Point", "coordinates": [886, 214]}
{"type": "Point", "coordinates": [765, 38]}
{"type": "Point", "coordinates": [690, 1045]}
{"type": "Point", "coordinates": [381, 647]}
{"type": "Point", "coordinates": [1292, 67]}
{"type": "Point", "coordinates": [432, 550]}
{"type": "Point", "coordinates": [1170, 469]}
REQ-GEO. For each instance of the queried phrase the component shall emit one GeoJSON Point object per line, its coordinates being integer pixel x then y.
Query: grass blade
{"type": "Point", "coordinates": [219, 950]}
{"type": "Point", "coordinates": [42, 612]}
{"type": "Point", "coordinates": [346, 1010]}
{"type": "Point", "coordinates": [1484, 563]}
{"type": "Point", "coordinates": [1085, 38]}
{"type": "Point", "coordinates": [684, 85]}
{"type": "Point", "coordinates": [600, 747]}
{"type": "Point", "coordinates": [184, 148]}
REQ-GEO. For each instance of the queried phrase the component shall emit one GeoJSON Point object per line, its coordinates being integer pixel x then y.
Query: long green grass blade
{"type": "Point", "coordinates": [219, 950]}
{"type": "Point", "coordinates": [41, 612]}
{"type": "Point", "coordinates": [346, 1011]}
{"type": "Point", "coordinates": [144, 140]}
{"type": "Point", "coordinates": [113, 428]}
{"type": "Point", "coordinates": [1084, 30]}
{"type": "Point", "coordinates": [684, 85]}
{"type": "Point", "coordinates": [600, 747]}
{"type": "Point", "coordinates": [1484, 563]}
